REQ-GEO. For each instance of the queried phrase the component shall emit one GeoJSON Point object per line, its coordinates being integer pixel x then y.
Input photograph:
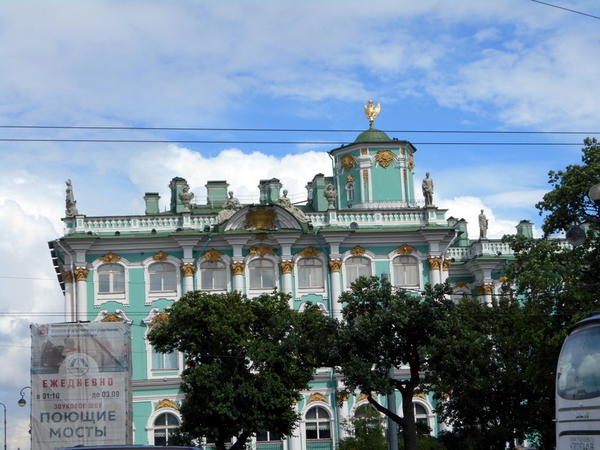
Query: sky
{"type": "Point", "coordinates": [492, 94]}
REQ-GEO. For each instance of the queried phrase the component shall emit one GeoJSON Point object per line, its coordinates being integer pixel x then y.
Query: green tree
{"type": "Point", "coordinates": [246, 361]}
{"type": "Point", "coordinates": [365, 431]}
{"type": "Point", "coordinates": [479, 376]}
{"type": "Point", "coordinates": [383, 330]}
{"type": "Point", "coordinates": [556, 283]}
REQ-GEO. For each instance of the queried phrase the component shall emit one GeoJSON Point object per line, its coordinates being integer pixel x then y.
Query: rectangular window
{"type": "Point", "coordinates": [165, 361]}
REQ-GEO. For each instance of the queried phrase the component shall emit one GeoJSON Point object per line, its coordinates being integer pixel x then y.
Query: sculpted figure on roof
{"type": "Point", "coordinates": [230, 207]}
{"type": "Point", "coordinates": [286, 203]}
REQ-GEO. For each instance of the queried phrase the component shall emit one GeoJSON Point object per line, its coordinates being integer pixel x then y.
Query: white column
{"type": "Point", "coordinates": [286, 276]}
{"type": "Point", "coordinates": [187, 271]}
{"type": "Point", "coordinates": [294, 440]}
{"type": "Point", "coordinates": [237, 269]}
{"type": "Point", "coordinates": [81, 289]}
{"type": "Point", "coordinates": [335, 265]}
{"type": "Point", "coordinates": [435, 263]}
{"type": "Point", "coordinates": [69, 296]}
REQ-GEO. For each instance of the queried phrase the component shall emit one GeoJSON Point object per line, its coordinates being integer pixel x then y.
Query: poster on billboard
{"type": "Point", "coordinates": [80, 385]}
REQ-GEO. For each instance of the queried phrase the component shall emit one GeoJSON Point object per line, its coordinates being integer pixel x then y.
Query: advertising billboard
{"type": "Point", "coordinates": [80, 385]}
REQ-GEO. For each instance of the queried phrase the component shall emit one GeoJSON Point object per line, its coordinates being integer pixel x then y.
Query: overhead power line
{"type": "Point", "coordinates": [566, 9]}
{"type": "Point", "coordinates": [286, 130]}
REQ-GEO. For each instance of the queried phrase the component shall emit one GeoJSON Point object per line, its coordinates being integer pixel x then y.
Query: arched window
{"type": "Point", "coordinates": [111, 279]}
{"type": "Point", "coordinates": [162, 277]}
{"type": "Point", "coordinates": [405, 271]}
{"type": "Point", "coordinates": [164, 426]}
{"type": "Point", "coordinates": [213, 276]}
{"type": "Point", "coordinates": [357, 266]}
{"type": "Point", "coordinates": [350, 191]}
{"type": "Point", "coordinates": [262, 274]}
{"type": "Point", "coordinates": [318, 423]}
{"type": "Point", "coordinates": [310, 273]}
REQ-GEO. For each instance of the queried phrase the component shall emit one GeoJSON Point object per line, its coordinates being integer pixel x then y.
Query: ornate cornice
{"type": "Point", "coordinates": [405, 249]}
{"type": "Point", "coordinates": [160, 256]}
{"type": "Point", "coordinates": [435, 263]}
{"type": "Point", "coordinates": [187, 270]}
{"type": "Point", "coordinates": [358, 251]}
{"type": "Point", "coordinates": [67, 276]}
{"type": "Point", "coordinates": [110, 258]}
{"type": "Point", "coordinates": [237, 268]}
{"type": "Point", "coordinates": [81, 274]}
{"type": "Point", "coordinates": [309, 252]}
{"type": "Point", "coordinates": [261, 250]}
{"type": "Point", "coordinates": [317, 397]}
{"type": "Point", "coordinates": [166, 403]}
{"type": "Point", "coordinates": [213, 254]}
{"type": "Point", "coordinates": [384, 158]}
{"type": "Point", "coordinates": [286, 267]}
{"type": "Point", "coordinates": [335, 265]}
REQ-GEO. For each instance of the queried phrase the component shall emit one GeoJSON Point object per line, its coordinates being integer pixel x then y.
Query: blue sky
{"type": "Point", "coordinates": [504, 65]}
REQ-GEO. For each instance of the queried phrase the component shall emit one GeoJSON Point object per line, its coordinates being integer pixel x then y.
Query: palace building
{"type": "Point", "coordinates": [364, 220]}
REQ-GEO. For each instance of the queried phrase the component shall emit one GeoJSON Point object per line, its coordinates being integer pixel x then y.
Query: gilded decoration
{"type": "Point", "coordinates": [504, 280]}
{"type": "Point", "coordinates": [213, 254]}
{"type": "Point", "coordinates": [341, 397]}
{"type": "Point", "coordinates": [160, 256]}
{"type": "Point", "coordinates": [484, 289]}
{"type": "Point", "coordinates": [350, 178]}
{"type": "Point", "coordinates": [402, 151]}
{"type": "Point", "coordinates": [187, 270]}
{"type": "Point", "coordinates": [435, 263]}
{"type": "Point", "coordinates": [67, 276]}
{"type": "Point", "coordinates": [262, 236]}
{"type": "Point", "coordinates": [364, 151]}
{"type": "Point", "coordinates": [347, 162]}
{"type": "Point", "coordinates": [362, 397]}
{"type": "Point", "coordinates": [161, 317]}
{"type": "Point", "coordinates": [335, 265]}
{"type": "Point", "coordinates": [81, 274]}
{"type": "Point", "coordinates": [446, 265]}
{"type": "Point", "coordinates": [358, 251]}
{"type": "Point", "coordinates": [384, 158]}
{"type": "Point", "coordinates": [317, 397]}
{"type": "Point", "coordinates": [411, 162]}
{"type": "Point", "coordinates": [405, 249]}
{"type": "Point", "coordinates": [366, 177]}
{"type": "Point", "coordinates": [110, 258]}
{"type": "Point", "coordinates": [112, 318]}
{"type": "Point", "coordinates": [419, 395]}
{"type": "Point", "coordinates": [260, 219]}
{"type": "Point", "coordinates": [372, 110]}
{"type": "Point", "coordinates": [461, 284]}
{"type": "Point", "coordinates": [166, 403]}
{"type": "Point", "coordinates": [309, 252]}
{"type": "Point", "coordinates": [261, 250]}
{"type": "Point", "coordinates": [237, 268]}
{"type": "Point", "coordinates": [286, 267]}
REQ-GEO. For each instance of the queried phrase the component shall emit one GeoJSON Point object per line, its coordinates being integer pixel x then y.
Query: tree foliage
{"type": "Point", "coordinates": [246, 361]}
{"type": "Point", "coordinates": [383, 329]}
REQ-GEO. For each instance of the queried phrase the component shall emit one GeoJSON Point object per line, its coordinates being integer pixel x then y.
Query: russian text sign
{"type": "Point", "coordinates": [81, 385]}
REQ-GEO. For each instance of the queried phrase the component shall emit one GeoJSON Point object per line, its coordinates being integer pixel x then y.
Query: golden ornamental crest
{"type": "Point", "coordinates": [461, 284]}
{"type": "Point", "coordinates": [350, 178]}
{"type": "Point", "coordinates": [317, 397]}
{"type": "Point", "coordinates": [384, 158]}
{"type": "Point", "coordinates": [405, 249]}
{"type": "Point", "coordinates": [372, 111]}
{"type": "Point", "coordinates": [110, 258]}
{"type": "Point", "coordinates": [358, 251]}
{"type": "Point", "coordinates": [309, 252]}
{"type": "Point", "coordinates": [166, 403]}
{"type": "Point", "coordinates": [261, 250]}
{"type": "Point", "coordinates": [111, 318]}
{"type": "Point", "coordinates": [213, 254]}
{"type": "Point", "coordinates": [260, 219]}
{"type": "Point", "coordinates": [160, 256]}
{"type": "Point", "coordinates": [161, 317]}
{"type": "Point", "coordinates": [347, 162]}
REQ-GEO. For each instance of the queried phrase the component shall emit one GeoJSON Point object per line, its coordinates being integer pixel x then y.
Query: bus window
{"type": "Point", "coordinates": [578, 374]}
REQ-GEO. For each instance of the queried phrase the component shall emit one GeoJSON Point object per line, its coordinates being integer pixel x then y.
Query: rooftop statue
{"type": "Point", "coordinates": [428, 190]}
{"type": "Point", "coordinates": [186, 197]}
{"type": "Point", "coordinates": [330, 194]}
{"type": "Point", "coordinates": [71, 204]}
{"type": "Point", "coordinates": [483, 225]}
{"type": "Point", "coordinates": [372, 111]}
{"type": "Point", "coordinates": [230, 207]}
{"type": "Point", "coordinates": [286, 203]}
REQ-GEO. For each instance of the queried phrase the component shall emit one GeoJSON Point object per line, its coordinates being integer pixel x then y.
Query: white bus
{"type": "Point", "coordinates": [578, 387]}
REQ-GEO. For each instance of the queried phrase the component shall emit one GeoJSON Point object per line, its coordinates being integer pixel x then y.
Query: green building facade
{"type": "Point", "coordinates": [363, 220]}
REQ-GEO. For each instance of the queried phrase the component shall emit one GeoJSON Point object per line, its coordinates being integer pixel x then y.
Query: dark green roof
{"type": "Point", "coordinates": [372, 135]}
